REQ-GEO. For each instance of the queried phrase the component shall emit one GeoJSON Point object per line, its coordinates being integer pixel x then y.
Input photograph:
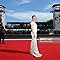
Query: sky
{"type": "Point", "coordinates": [22, 10]}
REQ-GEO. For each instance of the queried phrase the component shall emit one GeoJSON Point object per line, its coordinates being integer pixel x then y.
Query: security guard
{"type": "Point", "coordinates": [1, 32]}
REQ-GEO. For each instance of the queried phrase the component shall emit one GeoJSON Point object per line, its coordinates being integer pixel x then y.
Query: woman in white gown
{"type": "Point", "coordinates": [34, 49]}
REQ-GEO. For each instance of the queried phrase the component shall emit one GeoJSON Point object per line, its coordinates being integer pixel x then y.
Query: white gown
{"type": "Point", "coordinates": [34, 48]}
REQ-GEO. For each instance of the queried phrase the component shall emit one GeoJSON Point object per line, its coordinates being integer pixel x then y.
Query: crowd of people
{"type": "Point", "coordinates": [42, 28]}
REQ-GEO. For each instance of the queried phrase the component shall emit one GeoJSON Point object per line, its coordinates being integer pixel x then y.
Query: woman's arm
{"type": "Point", "coordinates": [32, 29]}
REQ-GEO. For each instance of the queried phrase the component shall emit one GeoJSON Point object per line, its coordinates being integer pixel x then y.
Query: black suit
{"type": "Point", "coordinates": [1, 34]}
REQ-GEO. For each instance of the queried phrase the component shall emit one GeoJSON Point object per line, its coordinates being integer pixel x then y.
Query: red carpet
{"type": "Point", "coordinates": [19, 50]}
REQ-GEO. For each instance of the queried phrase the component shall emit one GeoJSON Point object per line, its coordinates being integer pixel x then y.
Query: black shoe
{"type": "Point", "coordinates": [0, 42]}
{"type": "Point", "coordinates": [3, 43]}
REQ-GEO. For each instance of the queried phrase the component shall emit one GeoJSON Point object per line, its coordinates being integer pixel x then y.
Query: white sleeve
{"type": "Point", "coordinates": [31, 23]}
{"type": "Point", "coordinates": [32, 27]}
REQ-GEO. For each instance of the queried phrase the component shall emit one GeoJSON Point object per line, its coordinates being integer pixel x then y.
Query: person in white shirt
{"type": "Point", "coordinates": [34, 49]}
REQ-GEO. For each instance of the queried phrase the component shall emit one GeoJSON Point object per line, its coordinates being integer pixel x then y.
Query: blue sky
{"type": "Point", "coordinates": [22, 10]}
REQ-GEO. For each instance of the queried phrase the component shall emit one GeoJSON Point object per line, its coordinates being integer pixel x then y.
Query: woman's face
{"type": "Point", "coordinates": [34, 18]}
